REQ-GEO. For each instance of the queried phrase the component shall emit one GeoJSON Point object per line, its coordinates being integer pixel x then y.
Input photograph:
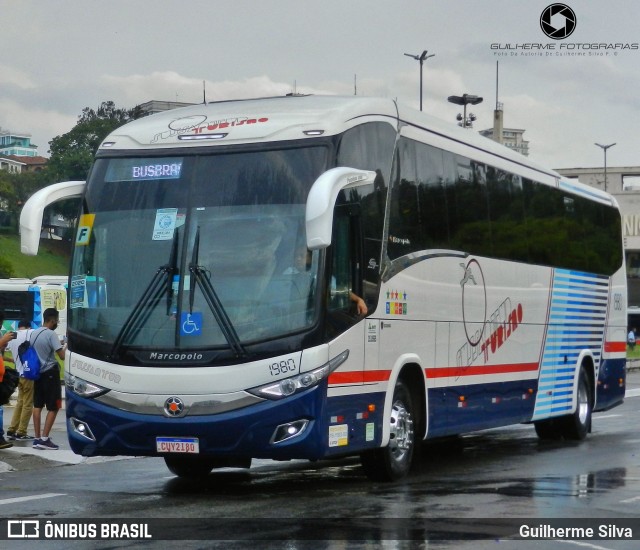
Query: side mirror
{"type": "Point", "coordinates": [33, 210]}
{"type": "Point", "coordinates": [322, 198]}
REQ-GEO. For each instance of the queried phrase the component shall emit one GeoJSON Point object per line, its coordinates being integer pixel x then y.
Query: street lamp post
{"type": "Point", "coordinates": [421, 58]}
{"type": "Point", "coordinates": [464, 99]}
{"type": "Point", "coordinates": [604, 148]}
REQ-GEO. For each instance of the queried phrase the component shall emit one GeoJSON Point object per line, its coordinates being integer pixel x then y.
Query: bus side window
{"type": "Point", "coordinates": [345, 273]}
{"type": "Point", "coordinates": [340, 279]}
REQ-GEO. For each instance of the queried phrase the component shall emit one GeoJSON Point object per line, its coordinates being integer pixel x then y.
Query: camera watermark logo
{"type": "Point", "coordinates": [558, 21]}
{"type": "Point", "coordinates": [23, 529]}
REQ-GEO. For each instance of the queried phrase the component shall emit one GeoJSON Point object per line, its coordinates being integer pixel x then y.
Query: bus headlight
{"type": "Point", "coordinates": [295, 384]}
{"type": "Point", "coordinates": [82, 387]}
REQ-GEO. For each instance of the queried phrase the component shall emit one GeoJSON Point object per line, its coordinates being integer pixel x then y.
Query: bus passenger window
{"type": "Point", "coordinates": [341, 277]}
{"type": "Point", "coordinates": [345, 304]}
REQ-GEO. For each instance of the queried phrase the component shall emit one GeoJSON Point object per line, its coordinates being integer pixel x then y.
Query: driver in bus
{"type": "Point", "coordinates": [302, 264]}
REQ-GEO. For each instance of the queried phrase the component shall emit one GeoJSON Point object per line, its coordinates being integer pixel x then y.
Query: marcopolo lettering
{"type": "Point", "coordinates": [157, 356]}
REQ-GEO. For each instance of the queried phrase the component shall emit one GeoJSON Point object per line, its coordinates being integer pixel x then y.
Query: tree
{"type": "Point", "coordinates": [72, 153]}
{"type": "Point", "coordinates": [6, 269]}
{"type": "Point", "coordinates": [71, 157]}
{"type": "Point", "coordinates": [15, 189]}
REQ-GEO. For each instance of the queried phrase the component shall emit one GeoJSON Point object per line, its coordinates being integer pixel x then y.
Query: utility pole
{"type": "Point", "coordinates": [421, 58]}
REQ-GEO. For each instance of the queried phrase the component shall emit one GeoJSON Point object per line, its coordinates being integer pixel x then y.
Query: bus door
{"type": "Point", "coordinates": [345, 327]}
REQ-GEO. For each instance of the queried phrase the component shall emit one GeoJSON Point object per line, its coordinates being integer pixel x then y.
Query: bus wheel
{"type": "Point", "coordinates": [577, 425]}
{"type": "Point", "coordinates": [189, 467]}
{"type": "Point", "coordinates": [394, 461]}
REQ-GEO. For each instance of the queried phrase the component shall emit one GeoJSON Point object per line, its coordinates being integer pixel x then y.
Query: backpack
{"type": "Point", "coordinates": [8, 385]}
{"type": "Point", "coordinates": [29, 358]}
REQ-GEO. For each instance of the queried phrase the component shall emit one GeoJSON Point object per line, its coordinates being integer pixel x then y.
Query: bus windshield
{"type": "Point", "coordinates": [196, 251]}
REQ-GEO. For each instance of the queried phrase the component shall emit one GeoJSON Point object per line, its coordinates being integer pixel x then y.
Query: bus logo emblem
{"type": "Point", "coordinates": [173, 407]}
{"type": "Point", "coordinates": [474, 301]}
{"type": "Point", "coordinates": [468, 275]}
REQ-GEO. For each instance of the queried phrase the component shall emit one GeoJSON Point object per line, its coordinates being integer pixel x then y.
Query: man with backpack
{"type": "Point", "coordinates": [24, 405]}
{"type": "Point", "coordinates": [47, 390]}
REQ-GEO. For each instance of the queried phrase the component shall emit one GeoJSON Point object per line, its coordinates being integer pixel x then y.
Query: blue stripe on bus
{"type": "Point", "coordinates": [578, 305]}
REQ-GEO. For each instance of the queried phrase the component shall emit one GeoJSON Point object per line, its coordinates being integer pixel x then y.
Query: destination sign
{"type": "Point", "coordinates": [143, 169]}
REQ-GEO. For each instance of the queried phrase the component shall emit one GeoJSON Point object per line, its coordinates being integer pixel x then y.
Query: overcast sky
{"type": "Point", "coordinates": [61, 56]}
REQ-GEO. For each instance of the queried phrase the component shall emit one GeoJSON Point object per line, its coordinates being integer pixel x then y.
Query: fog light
{"type": "Point", "coordinates": [284, 432]}
{"type": "Point", "coordinates": [81, 428]}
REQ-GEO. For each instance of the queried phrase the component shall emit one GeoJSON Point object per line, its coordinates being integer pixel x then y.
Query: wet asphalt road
{"type": "Point", "coordinates": [504, 474]}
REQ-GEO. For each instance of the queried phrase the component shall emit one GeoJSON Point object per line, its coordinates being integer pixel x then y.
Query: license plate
{"type": "Point", "coordinates": [185, 445]}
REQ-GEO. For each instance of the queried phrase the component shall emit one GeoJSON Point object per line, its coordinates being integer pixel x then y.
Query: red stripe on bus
{"type": "Point", "coordinates": [359, 377]}
{"type": "Point", "coordinates": [610, 347]}
{"type": "Point", "coordinates": [454, 372]}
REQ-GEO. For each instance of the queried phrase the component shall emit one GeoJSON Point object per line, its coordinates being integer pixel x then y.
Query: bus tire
{"type": "Point", "coordinates": [576, 426]}
{"type": "Point", "coordinates": [189, 467]}
{"type": "Point", "coordinates": [393, 462]}
{"type": "Point", "coordinates": [548, 430]}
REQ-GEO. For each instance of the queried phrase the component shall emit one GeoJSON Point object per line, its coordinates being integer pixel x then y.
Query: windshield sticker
{"type": "Point", "coordinates": [78, 292]}
{"type": "Point", "coordinates": [165, 224]}
{"type": "Point", "coordinates": [191, 323]}
{"type": "Point", "coordinates": [85, 225]}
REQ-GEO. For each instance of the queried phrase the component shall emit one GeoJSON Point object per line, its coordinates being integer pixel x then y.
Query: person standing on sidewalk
{"type": "Point", "coordinates": [24, 405]}
{"type": "Point", "coordinates": [4, 340]}
{"type": "Point", "coordinates": [47, 391]}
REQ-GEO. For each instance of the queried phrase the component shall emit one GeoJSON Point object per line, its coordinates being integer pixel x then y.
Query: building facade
{"type": "Point", "coordinates": [11, 164]}
{"type": "Point", "coordinates": [18, 164]}
{"type": "Point", "coordinates": [512, 138]}
{"type": "Point", "coordinates": [17, 144]}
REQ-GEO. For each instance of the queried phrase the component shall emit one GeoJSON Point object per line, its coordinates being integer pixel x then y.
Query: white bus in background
{"type": "Point", "coordinates": [23, 298]}
{"type": "Point", "coordinates": [220, 251]}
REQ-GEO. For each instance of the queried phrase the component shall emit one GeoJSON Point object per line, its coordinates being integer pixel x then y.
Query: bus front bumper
{"type": "Point", "coordinates": [284, 429]}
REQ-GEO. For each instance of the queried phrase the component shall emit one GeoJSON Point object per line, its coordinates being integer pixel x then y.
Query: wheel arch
{"type": "Point", "coordinates": [587, 362]}
{"type": "Point", "coordinates": [408, 368]}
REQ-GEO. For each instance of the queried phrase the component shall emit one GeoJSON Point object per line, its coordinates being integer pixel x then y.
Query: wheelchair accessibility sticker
{"type": "Point", "coordinates": [191, 324]}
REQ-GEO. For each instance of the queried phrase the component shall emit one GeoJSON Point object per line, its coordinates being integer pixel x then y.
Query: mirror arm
{"type": "Point", "coordinates": [322, 198]}
{"type": "Point", "coordinates": [33, 211]}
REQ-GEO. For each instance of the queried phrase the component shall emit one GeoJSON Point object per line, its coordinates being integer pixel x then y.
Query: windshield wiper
{"type": "Point", "coordinates": [143, 308]}
{"type": "Point", "coordinates": [173, 266]}
{"type": "Point", "coordinates": [160, 283]}
{"type": "Point", "coordinates": [201, 277]}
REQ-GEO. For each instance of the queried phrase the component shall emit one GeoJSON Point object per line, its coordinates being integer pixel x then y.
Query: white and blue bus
{"type": "Point", "coordinates": [220, 249]}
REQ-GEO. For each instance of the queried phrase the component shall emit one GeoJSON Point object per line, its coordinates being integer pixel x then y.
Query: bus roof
{"type": "Point", "coordinates": [284, 118]}
{"type": "Point", "coordinates": [247, 121]}
{"type": "Point", "coordinates": [298, 117]}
